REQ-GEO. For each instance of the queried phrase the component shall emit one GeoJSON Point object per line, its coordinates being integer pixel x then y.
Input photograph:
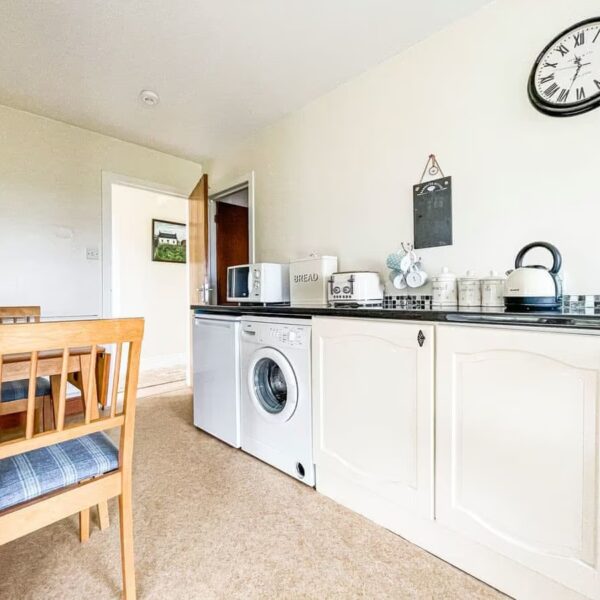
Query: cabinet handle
{"type": "Point", "coordinates": [421, 338]}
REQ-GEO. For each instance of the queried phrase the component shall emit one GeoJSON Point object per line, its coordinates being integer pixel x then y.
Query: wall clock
{"type": "Point", "coordinates": [565, 79]}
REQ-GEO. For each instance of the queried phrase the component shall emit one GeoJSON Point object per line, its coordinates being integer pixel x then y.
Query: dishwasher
{"type": "Point", "coordinates": [216, 368]}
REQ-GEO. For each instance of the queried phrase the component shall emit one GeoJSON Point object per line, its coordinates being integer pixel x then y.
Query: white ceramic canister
{"type": "Point", "coordinates": [445, 292]}
{"type": "Point", "coordinates": [492, 290]}
{"type": "Point", "coordinates": [469, 290]}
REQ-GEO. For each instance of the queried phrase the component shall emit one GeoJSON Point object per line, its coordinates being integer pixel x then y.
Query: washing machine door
{"type": "Point", "coordinates": [272, 385]}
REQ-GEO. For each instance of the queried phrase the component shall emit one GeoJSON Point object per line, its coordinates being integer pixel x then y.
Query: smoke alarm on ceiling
{"type": "Point", "coordinates": [149, 98]}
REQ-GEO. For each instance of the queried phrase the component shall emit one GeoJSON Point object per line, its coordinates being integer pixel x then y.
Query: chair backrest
{"type": "Point", "coordinates": [66, 340]}
{"type": "Point", "coordinates": [17, 314]}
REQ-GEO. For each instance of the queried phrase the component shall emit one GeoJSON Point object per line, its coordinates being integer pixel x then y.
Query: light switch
{"type": "Point", "coordinates": [92, 253]}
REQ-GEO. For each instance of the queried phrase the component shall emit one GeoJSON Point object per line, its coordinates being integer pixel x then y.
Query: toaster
{"type": "Point", "coordinates": [355, 288]}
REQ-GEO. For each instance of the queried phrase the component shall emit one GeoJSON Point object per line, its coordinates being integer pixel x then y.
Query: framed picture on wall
{"type": "Point", "coordinates": [169, 241]}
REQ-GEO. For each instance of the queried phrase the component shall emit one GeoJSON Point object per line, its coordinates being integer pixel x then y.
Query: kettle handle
{"type": "Point", "coordinates": [556, 257]}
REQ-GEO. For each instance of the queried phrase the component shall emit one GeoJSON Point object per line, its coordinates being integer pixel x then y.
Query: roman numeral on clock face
{"type": "Point", "coordinates": [580, 93]}
{"type": "Point", "coordinates": [547, 78]}
{"type": "Point", "coordinates": [579, 38]}
{"type": "Point", "coordinates": [551, 90]}
{"type": "Point", "coordinates": [553, 65]}
{"type": "Point", "coordinates": [562, 49]}
{"type": "Point", "coordinates": [597, 83]}
{"type": "Point", "coordinates": [564, 94]}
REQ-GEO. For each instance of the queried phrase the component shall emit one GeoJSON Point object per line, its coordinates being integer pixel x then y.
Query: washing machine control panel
{"type": "Point", "coordinates": [286, 335]}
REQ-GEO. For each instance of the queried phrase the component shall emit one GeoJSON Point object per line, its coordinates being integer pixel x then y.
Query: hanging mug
{"type": "Point", "coordinates": [398, 280]}
{"type": "Point", "coordinates": [408, 261]}
{"type": "Point", "coordinates": [416, 277]}
{"type": "Point", "coordinates": [394, 260]}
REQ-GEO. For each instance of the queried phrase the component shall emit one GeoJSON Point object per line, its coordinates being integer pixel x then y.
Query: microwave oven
{"type": "Point", "coordinates": [261, 283]}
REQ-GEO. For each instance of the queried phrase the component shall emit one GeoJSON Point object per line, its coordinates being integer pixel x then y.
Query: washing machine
{"type": "Point", "coordinates": [276, 403]}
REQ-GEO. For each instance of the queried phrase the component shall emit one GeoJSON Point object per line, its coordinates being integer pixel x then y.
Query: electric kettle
{"type": "Point", "coordinates": [534, 287]}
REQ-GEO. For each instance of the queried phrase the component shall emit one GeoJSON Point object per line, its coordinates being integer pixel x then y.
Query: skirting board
{"type": "Point", "coordinates": [163, 361]}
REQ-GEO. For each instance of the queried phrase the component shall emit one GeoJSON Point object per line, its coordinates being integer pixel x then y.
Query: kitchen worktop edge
{"type": "Point", "coordinates": [559, 319]}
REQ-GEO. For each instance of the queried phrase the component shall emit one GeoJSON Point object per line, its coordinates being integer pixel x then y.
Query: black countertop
{"type": "Point", "coordinates": [584, 319]}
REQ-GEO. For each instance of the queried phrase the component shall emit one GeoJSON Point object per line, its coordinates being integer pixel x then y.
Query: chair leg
{"type": "Point", "coordinates": [84, 525]}
{"type": "Point", "coordinates": [103, 515]}
{"type": "Point", "coordinates": [126, 527]}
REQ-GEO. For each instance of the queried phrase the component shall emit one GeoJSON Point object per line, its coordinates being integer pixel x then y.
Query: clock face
{"type": "Point", "coordinates": [565, 79]}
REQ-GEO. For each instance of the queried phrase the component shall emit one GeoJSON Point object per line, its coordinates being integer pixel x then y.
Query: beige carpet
{"type": "Point", "coordinates": [213, 522]}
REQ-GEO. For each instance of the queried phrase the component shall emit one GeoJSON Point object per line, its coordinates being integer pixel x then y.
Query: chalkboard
{"type": "Point", "coordinates": [432, 210]}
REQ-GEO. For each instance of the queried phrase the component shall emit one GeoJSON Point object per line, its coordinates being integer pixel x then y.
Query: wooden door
{"type": "Point", "coordinates": [517, 447]}
{"type": "Point", "coordinates": [373, 415]}
{"type": "Point", "coordinates": [232, 242]}
{"type": "Point", "coordinates": [198, 242]}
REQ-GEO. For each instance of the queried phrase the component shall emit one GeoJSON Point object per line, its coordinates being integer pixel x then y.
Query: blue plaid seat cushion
{"type": "Point", "coordinates": [18, 390]}
{"type": "Point", "coordinates": [32, 474]}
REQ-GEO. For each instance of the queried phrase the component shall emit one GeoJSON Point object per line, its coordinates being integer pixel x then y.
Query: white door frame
{"type": "Point", "coordinates": [108, 179]}
{"type": "Point", "coordinates": [221, 189]}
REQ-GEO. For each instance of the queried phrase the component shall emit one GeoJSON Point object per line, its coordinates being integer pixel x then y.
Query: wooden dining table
{"type": "Point", "coordinates": [17, 366]}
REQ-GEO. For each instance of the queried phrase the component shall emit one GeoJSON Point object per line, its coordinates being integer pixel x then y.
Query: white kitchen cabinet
{"type": "Point", "coordinates": [373, 415]}
{"type": "Point", "coordinates": [517, 438]}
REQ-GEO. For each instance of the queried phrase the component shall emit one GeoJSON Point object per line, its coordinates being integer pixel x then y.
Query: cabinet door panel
{"type": "Point", "coordinates": [517, 446]}
{"type": "Point", "coordinates": [373, 399]}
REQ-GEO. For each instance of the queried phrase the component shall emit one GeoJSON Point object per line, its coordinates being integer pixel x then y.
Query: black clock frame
{"type": "Point", "coordinates": [566, 110]}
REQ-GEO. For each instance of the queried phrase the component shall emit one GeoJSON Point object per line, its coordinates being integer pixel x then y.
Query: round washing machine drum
{"type": "Point", "coordinates": [272, 385]}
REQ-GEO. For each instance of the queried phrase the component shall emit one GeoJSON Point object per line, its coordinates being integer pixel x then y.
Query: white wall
{"type": "Point", "coordinates": [336, 177]}
{"type": "Point", "coordinates": [156, 291]}
{"type": "Point", "coordinates": [50, 207]}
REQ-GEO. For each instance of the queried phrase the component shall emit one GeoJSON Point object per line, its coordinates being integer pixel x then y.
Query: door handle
{"type": "Point", "coordinates": [204, 291]}
{"type": "Point", "coordinates": [214, 324]}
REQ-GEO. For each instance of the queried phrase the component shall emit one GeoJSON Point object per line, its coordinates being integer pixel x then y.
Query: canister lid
{"type": "Point", "coordinates": [493, 276]}
{"type": "Point", "coordinates": [444, 275]}
{"type": "Point", "coordinates": [469, 276]}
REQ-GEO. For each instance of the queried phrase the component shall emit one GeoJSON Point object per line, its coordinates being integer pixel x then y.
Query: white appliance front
{"type": "Point", "coordinates": [216, 361]}
{"type": "Point", "coordinates": [276, 394]}
{"type": "Point", "coordinates": [262, 283]}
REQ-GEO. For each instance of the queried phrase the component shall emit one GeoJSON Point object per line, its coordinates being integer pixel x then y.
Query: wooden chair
{"type": "Point", "coordinates": [13, 395]}
{"type": "Point", "coordinates": [98, 470]}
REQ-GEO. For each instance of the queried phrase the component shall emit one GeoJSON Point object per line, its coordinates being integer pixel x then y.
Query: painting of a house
{"type": "Point", "coordinates": [169, 241]}
{"type": "Point", "coordinates": [167, 238]}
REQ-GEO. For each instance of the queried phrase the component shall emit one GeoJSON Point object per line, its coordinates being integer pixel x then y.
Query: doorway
{"type": "Point", "coordinates": [230, 234]}
{"type": "Point", "coordinates": [138, 282]}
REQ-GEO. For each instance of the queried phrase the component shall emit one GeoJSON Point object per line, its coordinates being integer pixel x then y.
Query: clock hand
{"type": "Point", "coordinates": [578, 66]}
{"type": "Point", "coordinates": [575, 76]}
{"type": "Point", "coordinates": [576, 63]}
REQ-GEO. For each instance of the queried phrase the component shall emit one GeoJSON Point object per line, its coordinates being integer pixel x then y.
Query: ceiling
{"type": "Point", "coordinates": [223, 68]}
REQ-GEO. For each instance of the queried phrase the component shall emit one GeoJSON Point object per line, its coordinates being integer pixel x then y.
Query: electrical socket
{"type": "Point", "coordinates": [92, 253]}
